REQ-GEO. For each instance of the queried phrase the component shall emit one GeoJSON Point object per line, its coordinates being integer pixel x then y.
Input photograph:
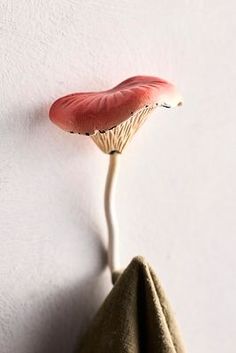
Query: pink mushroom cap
{"type": "Point", "coordinates": [88, 112]}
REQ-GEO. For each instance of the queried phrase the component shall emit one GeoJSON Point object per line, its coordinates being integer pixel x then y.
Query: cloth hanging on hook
{"type": "Point", "coordinates": [135, 317]}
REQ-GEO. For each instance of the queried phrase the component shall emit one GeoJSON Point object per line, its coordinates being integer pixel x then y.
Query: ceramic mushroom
{"type": "Point", "coordinates": [111, 118]}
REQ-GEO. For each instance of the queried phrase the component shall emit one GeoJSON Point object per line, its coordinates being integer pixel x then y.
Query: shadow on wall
{"type": "Point", "coordinates": [32, 119]}
{"type": "Point", "coordinates": [66, 316]}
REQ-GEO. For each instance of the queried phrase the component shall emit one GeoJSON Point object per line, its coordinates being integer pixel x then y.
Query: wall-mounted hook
{"type": "Point", "coordinates": [111, 118]}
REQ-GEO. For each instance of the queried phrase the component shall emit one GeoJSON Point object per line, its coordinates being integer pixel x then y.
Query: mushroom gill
{"type": "Point", "coordinates": [115, 139]}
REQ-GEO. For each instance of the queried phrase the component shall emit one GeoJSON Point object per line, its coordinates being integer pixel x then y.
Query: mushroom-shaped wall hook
{"type": "Point", "coordinates": [111, 118]}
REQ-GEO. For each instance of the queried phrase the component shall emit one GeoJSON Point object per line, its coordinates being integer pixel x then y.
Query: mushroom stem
{"type": "Point", "coordinates": [110, 213]}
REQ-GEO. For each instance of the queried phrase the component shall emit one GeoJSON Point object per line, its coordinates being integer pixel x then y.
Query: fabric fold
{"type": "Point", "coordinates": [136, 317]}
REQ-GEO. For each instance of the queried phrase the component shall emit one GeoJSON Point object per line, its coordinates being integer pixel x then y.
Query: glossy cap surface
{"type": "Point", "coordinates": [89, 112]}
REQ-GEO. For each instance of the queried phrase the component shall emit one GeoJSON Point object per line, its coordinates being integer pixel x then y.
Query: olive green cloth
{"type": "Point", "coordinates": [135, 317]}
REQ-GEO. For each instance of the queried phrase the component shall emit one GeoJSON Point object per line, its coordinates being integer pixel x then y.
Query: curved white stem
{"type": "Point", "coordinates": [110, 212]}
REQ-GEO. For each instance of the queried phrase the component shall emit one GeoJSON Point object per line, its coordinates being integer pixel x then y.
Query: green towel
{"type": "Point", "coordinates": [135, 317]}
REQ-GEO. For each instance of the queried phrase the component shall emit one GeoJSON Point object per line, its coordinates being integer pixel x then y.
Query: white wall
{"type": "Point", "coordinates": [177, 189]}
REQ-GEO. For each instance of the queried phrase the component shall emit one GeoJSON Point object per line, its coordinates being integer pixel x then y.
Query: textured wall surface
{"type": "Point", "coordinates": [177, 190]}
